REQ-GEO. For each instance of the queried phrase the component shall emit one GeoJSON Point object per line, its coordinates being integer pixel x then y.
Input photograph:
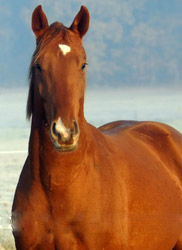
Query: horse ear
{"type": "Point", "coordinates": [39, 22]}
{"type": "Point", "coordinates": [80, 24]}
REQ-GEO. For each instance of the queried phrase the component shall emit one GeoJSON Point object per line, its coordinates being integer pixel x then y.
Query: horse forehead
{"type": "Point", "coordinates": [65, 49]}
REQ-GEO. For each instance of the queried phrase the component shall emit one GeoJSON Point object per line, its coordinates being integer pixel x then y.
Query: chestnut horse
{"type": "Point", "coordinates": [117, 187]}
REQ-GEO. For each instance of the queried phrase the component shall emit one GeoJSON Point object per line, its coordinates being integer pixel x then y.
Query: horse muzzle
{"type": "Point", "coordinates": [64, 139]}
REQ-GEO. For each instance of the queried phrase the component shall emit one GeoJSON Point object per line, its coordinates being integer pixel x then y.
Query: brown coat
{"type": "Point", "coordinates": [118, 187]}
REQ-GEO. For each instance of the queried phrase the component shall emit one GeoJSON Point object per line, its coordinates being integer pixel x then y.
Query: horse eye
{"type": "Point", "coordinates": [83, 66]}
{"type": "Point", "coordinates": [38, 67]}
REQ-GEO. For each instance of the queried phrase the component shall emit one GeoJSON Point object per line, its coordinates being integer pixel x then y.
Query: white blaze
{"type": "Point", "coordinates": [64, 48]}
{"type": "Point", "coordinates": [61, 128]}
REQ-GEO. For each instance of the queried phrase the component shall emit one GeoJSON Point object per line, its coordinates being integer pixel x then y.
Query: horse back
{"type": "Point", "coordinates": [161, 136]}
{"type": "Point", "coordinates": [158, 140]}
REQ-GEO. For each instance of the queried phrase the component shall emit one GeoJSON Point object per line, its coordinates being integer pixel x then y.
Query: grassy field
{"type": "Point", "coordinates": [6, 240]}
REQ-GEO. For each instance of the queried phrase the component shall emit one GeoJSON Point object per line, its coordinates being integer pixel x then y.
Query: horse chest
{"type": "Point", "coordinates": [76, 236]}
{"type": "Point", "coordinates": [56, 176]}
{"type": "Point", "coordinates": [80, 228]}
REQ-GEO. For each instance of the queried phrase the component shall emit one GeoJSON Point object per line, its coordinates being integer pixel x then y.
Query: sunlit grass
{"type": "Point", "coordinates": [6, 240]}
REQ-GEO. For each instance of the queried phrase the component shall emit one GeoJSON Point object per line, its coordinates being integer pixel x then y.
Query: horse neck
{"type": "Point", "coordinates": [43, 155]}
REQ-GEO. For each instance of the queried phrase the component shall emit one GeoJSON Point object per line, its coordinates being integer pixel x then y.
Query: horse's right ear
{"type": "Point", "coordinates": [39, 22]}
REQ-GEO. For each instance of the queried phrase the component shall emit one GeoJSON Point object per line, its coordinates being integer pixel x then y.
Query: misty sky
{"type": "Point", "coordinates": [130, 42]}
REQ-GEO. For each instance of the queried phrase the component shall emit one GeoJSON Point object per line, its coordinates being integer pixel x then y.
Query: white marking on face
{"type": "Point", "coordinates": [64, 48]}
{"type": "Point", "coordinates": [61, 128]}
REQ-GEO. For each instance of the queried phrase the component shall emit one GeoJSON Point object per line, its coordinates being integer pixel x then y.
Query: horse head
{"type": "Point", "coordinates": [57, 77]}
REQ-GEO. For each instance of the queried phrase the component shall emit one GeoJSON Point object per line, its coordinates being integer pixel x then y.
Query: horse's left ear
{"type": "Point", "coordinates": [80, 24]}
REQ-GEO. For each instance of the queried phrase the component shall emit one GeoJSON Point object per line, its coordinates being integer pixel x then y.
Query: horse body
{"type": "Point", "coordinates": [116, 187]}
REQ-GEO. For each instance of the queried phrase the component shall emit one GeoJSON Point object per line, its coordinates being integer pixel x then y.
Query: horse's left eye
{"type": "Point", "coordinates": [83, 66]}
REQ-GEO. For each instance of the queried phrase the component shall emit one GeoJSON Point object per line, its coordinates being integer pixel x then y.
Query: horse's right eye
{"type": "Point", "coordinates": [38, 67]}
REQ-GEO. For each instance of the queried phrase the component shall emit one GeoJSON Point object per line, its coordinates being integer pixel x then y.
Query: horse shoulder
{"type": "Point", "coordinates": [29, 191]}
{"type": "Point", "coordinates": [29, 208]}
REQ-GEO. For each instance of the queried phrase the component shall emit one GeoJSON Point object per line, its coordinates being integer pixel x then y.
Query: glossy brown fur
{"type": "Point", "coordinates": [120, 189]}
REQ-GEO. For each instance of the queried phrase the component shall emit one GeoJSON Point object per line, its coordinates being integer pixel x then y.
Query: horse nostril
{"type": "Point", "coordinates": [76, 127]}
{"type": "Point", "coordinates": [54, 131]}
{"type": "Point", "coordinates": [64, 136]}
{"type": "Point", "coordinates": [59, 131]}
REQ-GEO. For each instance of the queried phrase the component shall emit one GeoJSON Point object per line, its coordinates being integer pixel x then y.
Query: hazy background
{"type": "Point", "coordinates": [130, 42]}
{"type": "Point", "coordinates": [134, 51]}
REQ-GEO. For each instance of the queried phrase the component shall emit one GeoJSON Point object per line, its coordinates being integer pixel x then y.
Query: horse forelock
{"type": "Point", "coordinates": [56, 31]}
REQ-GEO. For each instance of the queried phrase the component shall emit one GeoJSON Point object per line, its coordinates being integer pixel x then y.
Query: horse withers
{"type": "Point", "coordinates": [117, 187]}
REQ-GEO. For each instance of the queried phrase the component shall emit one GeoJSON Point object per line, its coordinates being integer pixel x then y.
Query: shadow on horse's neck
{"type": "Point", "coordinates": [41, 144]}
{"type": "Point", "coordinates": [45, 160]}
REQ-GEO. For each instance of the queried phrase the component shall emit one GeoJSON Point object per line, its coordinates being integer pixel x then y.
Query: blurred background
{"type": "Point", "coordinates": [134, 54]}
